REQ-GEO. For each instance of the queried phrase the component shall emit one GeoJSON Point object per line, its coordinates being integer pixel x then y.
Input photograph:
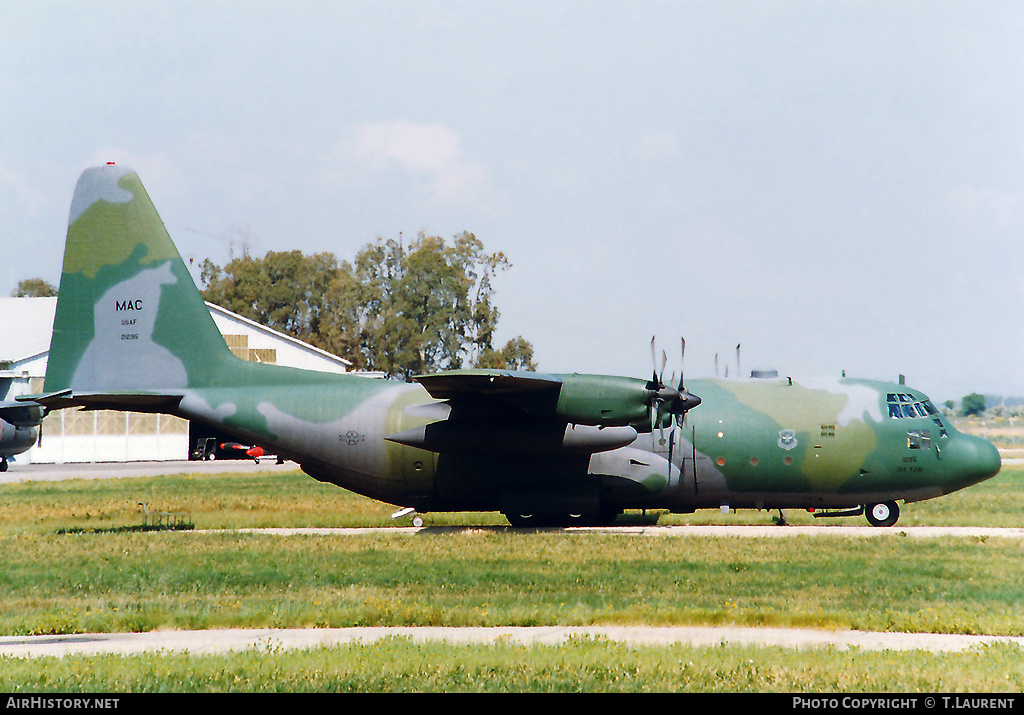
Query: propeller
{"type": "Point", "coordinates": [677, 400]}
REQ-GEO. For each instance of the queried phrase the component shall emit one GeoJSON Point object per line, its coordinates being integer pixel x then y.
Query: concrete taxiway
{"type": "Point", "coordinates": [118, 470]}
{"type": "Point", "coordinates": [220, 641]}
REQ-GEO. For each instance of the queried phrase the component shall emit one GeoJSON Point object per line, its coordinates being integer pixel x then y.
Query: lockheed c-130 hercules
{"type": "Point", "coordinates": [132, 332]}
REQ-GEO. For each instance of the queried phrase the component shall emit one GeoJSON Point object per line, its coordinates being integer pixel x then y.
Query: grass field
{"type": "Point", "coordinates": [72, 566]}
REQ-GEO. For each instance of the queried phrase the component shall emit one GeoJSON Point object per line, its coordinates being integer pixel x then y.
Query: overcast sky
{"type": "Point", "coordinates": [835, 185]}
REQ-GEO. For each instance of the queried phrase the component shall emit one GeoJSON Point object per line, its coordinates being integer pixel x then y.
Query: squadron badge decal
{"type": "Point", "coordinates": [787, 439]}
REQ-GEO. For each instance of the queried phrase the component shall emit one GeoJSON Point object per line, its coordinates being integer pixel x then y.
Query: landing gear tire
{"type": "Point", "coordinates": [522, 520]}
{"type": "Point", "coordinates": [886, 514]}
{"type": "Point", "coordinates": [560, 520]}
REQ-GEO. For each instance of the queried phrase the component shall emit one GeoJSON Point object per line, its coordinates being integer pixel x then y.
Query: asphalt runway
{"type": "Point", "coordinates": [223, 641]}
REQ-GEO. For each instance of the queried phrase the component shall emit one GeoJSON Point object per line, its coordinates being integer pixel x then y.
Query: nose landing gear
{"type": "Point", "coordinates": [885, 514]}
{"type": "Point", "coordinates": [417, 520]}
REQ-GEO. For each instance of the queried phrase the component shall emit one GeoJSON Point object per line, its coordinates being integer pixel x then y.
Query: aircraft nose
{"type": "Point", "coordinates": [976, 459]}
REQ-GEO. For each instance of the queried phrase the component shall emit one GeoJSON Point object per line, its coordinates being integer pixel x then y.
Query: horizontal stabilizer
{"type": "Point", "coordinates": [133, 402]}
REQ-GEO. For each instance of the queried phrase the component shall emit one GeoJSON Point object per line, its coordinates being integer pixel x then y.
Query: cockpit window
{"type": "Point", "coordinates": [904, 406]}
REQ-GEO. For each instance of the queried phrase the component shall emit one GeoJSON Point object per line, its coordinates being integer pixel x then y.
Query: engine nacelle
{"type": "Point", "coordinates": [604, 400]}
{"type": "Point", "coordinates": [540, 437]}
{"type": "Point", "coordinates": [15, 439]}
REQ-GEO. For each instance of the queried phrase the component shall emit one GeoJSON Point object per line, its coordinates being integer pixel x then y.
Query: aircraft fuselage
{"type": "Point", "coordinates": [765, 444]}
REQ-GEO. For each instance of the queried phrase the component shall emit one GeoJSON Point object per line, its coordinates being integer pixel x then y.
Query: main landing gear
{"type": "Point", "coordinates": [560, 520]}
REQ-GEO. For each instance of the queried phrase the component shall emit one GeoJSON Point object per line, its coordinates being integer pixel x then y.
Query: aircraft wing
{"type": "Point", "coordinates": [508, 412]}
{"type": "Point", "coordinates": [486, 383]}
{"type": "Point", "coordinates": [598, 400]}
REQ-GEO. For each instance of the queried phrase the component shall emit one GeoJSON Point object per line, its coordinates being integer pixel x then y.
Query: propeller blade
{"type": "Point", "coordinates": [682, 360]}
{"type": "Point", "coordinates": [654, 360]}
{"type": "Point", "coordinates": [671, 440]}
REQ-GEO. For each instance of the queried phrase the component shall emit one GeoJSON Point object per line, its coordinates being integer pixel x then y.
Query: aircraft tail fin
{"type": "Point", "coordinates": [129, 318]}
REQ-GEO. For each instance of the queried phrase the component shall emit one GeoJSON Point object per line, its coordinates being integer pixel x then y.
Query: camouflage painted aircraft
{"type": "Point", "coordinates": [132, 332]}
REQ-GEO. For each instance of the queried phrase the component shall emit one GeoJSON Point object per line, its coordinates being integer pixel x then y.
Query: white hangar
{"type": "Point", "coordinates": [107, 436]}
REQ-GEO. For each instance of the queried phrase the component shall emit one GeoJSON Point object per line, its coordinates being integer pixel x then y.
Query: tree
{"type": "Point", "coordinates": [34, 288]}
{"type": "Point", "coordinates": [400, 309]}
{"type": "Point", "coordinates": [283, 291]}
{"type": "Point", "coordinates": [972, 404]}
{"type": "Point", "coordinates": [516, 355]}
{"type": "Point", "coordinates": [427, 306]}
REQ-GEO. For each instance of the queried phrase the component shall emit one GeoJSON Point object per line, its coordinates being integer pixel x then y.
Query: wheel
{"type": "Point", "coordinates": [605, 518]}
{"type": "Point", "coordinates": [560, 520]}
{"type": "Point", "coordinates": [885, 514]}
{"type": "Point", "coordinates": [521, 520]}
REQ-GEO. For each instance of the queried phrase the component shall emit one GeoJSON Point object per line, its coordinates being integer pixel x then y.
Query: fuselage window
{"type": "Point", "coordinates": [919, 439]}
